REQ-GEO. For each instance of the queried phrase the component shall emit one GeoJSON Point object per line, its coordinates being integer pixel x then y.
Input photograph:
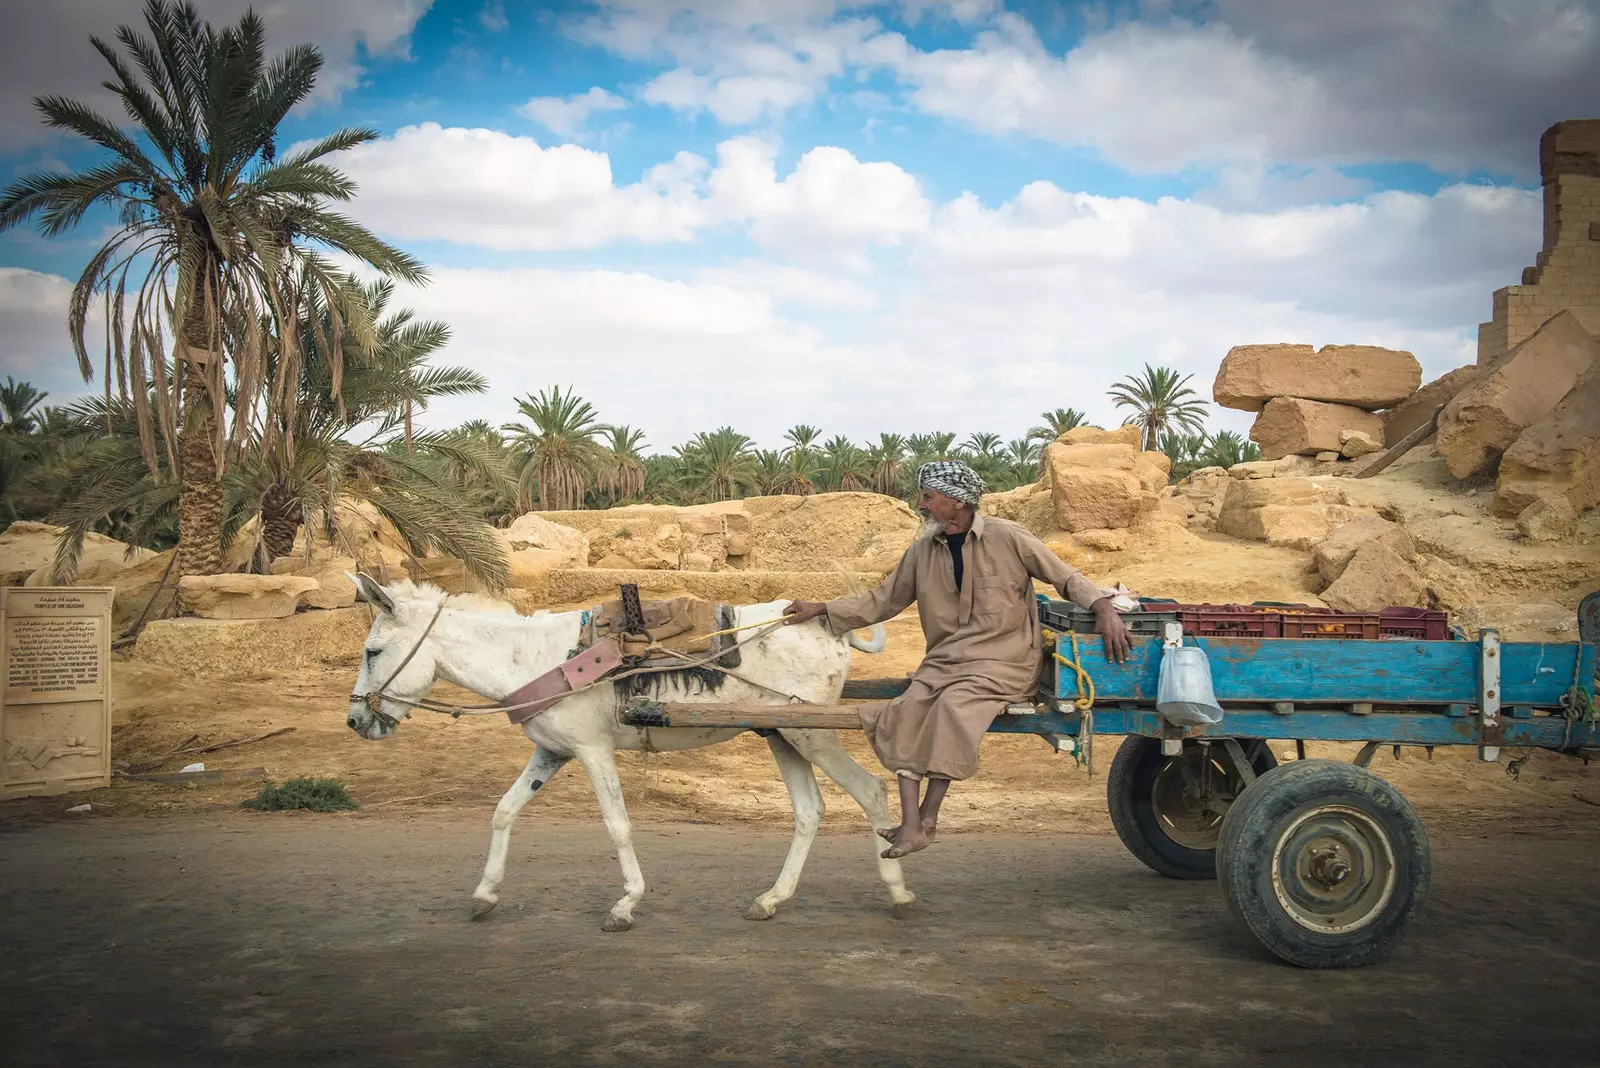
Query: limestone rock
{"type": "Point", "coordinates": [360, 531]}
{"type": "Point", "coordinates": [1289, 425]}
{"type": "Point", "coordinates": [1291, 512]}
{"type": "Point", "coordinates": [334, 588]}
{"type": "Point", "coordinates": [1107, 541]}
{"type": "Point", "coordinates": [1375, 578]}
{"type": "Point", "coordinates": [1101, 486]}
{"type": "Point", "coordinates": [1515, 392]}
{"type": "Point", "coordinates": [1327, 457]}
{"type": "Point", "coordinates": [1557, 456]}
{"type": "Point", "coordinates": [1358, 443]}
{"type": "Point", "coordinates": [28, 552]}
{"type": "Point", "coordinates": [1520, 621]}
{"type": "Point", "coordinates": [1127, 434]}
{"type": "Point", "coordinates": [1254, 469]}
{"type": "Point", "coordinates": [1332, 554]}
{"type": "Point", "coordinates": [1032, 506]}
{"type": "Point", "coordinates": [1417, 409]}
{"type": "Point", "coordinates": [243, 596]}
{"type": "Point", "coordinates": [738, 531]}
{"type": "Point", "coordinates": [1361, 376]}
{"type": "Point", "coordinates": [1548, 520]}
{"type": "Point", "coordinates": [533, 531]}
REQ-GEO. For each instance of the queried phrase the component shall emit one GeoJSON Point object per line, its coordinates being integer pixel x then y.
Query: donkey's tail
{"type": "Point", "coordinates": [879, 636]}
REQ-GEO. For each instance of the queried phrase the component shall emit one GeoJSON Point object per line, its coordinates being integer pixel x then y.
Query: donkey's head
{"type": "Point", "coordinates": [400, 659]}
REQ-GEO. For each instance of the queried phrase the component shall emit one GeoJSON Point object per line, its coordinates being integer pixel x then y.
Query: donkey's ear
{"type": "Point", "coordinates": [368, 590]}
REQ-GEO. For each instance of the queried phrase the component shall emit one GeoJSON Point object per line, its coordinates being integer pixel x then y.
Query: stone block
{"type": "Point", "coordinates": [1361, 376]}
{"type": "Point", "coordinates": [1327, 457]}
{"type": "Point", "coordinates": [1332, 554]}
{"type": "Point", "coordinates": [1292, 425]}
{"type": "Point", "coordinates": [243, 596]}
{"type": "Point", "coordinates": [1522, 388]}
{"type": "Point", "coordinates": [1358, 443]}
{"type": "Point", "coordinates": [1417, 409]}
{"type": "Point", "coordinates": [1101, 486]}
{"type": "Point", "coordinates": [532, 531]}
{"type": "Point", "coordinates": [1127, 434]}
{"type": "Point", "coordinates": [1291, 512]}
{"type": "Point", "coordinates": [1557, 456]}
{"type": "Point", "coordinates": [334, 588]}
{"type": "Point", "coordinates": [1548, 520]}
{"type": "Point", "coordinates": [1376, 578]}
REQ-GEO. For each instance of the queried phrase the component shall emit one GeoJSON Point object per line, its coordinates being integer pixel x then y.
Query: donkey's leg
{"type": "Point", "coordinates": [541, 767]}
{"type": "Point", "coordinates": [601, 764]}
{"type": "Point", "coordinates": [808, 807]}
{"type": "Point", "coordinates": [824, 750]}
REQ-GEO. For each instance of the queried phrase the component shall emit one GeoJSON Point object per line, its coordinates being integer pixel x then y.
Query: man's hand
{"type": "Point", "coordinates": [802, 611]}
{"type": "Point", "coordinates": [1108, 624]}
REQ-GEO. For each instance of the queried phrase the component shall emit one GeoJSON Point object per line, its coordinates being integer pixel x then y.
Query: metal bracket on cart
{"type": "Point", "coordinates": [1492, 730]}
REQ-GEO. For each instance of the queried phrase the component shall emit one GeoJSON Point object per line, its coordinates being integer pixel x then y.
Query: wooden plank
{"type": "Point", "coordinates": [1403, 446]}
{"type": "Point", "coordinates": [1333, 671]}
{"type": "Point", "coordinates": [748, 717]}
{"type": "Point", "coordinates": [874, 689]}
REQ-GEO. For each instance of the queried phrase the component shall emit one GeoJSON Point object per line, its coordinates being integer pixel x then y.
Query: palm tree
{"type": "Point", "coordinates": [557, 452]}
{"type": "Point", "coordinates": [1186, 451]}
{"type": "Point", "coordinates": [802, 439]}
{"type": "Point", "coordinates": [213, 220]}
{"type": "Point", "coordinates": [769, 470]}
{"type": "Point", "coordinates": [17, 403]}
{"type": "Point", "coordinates": [621, 465]}
{"type": "Point", "coordinates": [719, 462]}
{"type": "Point", "coordinates": [888, 466]}
{"type": "Point", "coordinates": [1057, 421]}
{"type": "Point", "coordinates": [1161, 402]}
{"type": "Point", "coordinates": [844, 465]}
{"type": "Point", "coordinates": [801, 472]}
{"type": "Point", "coordinates": [1227, 448]}
{"type": "Point", "coordinates": [1022, 455]}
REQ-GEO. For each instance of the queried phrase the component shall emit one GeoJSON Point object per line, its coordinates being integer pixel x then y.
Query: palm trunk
{"type": "Point", "coordinates": [280, 521]}
{"type": "Point", "coordinates": [199, 482]}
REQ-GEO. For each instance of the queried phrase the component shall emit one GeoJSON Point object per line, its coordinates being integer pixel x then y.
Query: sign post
{"type": "Point", "coordinates": [55, 712]}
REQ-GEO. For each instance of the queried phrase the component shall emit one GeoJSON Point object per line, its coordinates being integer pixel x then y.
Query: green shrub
{"type": "Point", "coordinates": [319, 795]}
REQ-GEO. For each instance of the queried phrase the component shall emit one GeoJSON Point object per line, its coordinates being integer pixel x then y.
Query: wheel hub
{"type": "Point", "coordinates": [1192, 793]}
{"type": "Point", "coordinates": [1333, 870]}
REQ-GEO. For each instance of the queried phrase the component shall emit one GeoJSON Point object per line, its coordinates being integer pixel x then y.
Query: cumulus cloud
{"type": "Point", "coordinates": [1457, 84]}
{"type": "Point", "coordinates": [46, 47]}
{"type": "Point", "coordinates": [33, 309]}
{"type": "Point", "coordinates": [490, 188]}
{"type": "Point", "coordinates": [567, 116]}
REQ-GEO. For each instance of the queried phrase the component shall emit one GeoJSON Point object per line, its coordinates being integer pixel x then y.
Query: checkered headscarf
{"type": "Point", "coordinates": [952, 478]}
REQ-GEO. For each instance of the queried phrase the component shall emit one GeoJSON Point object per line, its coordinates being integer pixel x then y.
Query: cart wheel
{"type": "Point", "coordinates": [1325, 863]}
{"type": "Point", "coordinates": [1168, 810]}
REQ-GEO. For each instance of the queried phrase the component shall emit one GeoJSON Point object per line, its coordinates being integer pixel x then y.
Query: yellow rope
{"type": "Point", "coordinates": [1085, 700]}
{"type": "Point", "coordinates": [733, 630]}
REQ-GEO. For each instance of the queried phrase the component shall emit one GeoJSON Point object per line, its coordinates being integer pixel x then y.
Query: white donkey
{"type": "Point", "coordinates": [484, 646]}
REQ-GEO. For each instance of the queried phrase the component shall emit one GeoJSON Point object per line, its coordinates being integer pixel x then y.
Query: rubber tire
{"type": "Point", "coordinates": [1258, 819]}
{"type": "Point", "coordinates": [1133, 772]}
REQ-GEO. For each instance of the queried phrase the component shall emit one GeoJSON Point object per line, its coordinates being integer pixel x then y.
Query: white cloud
{"type": "Point", "coordinates": [567, 116]}
{"type": "Point", "coordinates": [46, 47]}
{"type": "Point", "coordinates": [33, 324]}
{"type": "Point", "coordinates": [492, 16]}
{"type": "Point", "coordinates": [1457, 84]}
{"type": "Point", "coordinates": [794, 286]}
{"type": "Point", "coordinates": [489, 188]}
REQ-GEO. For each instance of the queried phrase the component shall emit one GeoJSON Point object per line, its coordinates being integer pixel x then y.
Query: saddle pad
{"type": "Point", "coordinates": [679, 625]}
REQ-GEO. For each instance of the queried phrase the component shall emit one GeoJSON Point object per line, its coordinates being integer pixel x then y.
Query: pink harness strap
{"type": "Point", "coordinates": [586, 667]}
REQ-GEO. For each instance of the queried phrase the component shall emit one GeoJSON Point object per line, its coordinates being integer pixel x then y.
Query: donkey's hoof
{"type": "Point", "coordinates": [758, 911]}
{"type": "Point", "coordinates": [904, 910]}
{"type": "Point", "coordinates": [616, 923]}
{"type": "Point", "coordinates": [482, 907]}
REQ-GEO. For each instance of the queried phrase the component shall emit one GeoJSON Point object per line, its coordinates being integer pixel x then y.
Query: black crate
{"type": "Point", "coordinates": [1065, 616]}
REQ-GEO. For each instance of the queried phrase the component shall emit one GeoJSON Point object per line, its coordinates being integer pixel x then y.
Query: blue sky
{"type": "Point", "coordinates": [899, 217]}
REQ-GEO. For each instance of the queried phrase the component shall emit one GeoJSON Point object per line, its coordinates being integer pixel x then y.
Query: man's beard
{"type": "Point", "coordinates": [930, 525]}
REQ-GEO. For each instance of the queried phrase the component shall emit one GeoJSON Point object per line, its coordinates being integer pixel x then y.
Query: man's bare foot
{"type": "Point", "coordinates": [905, 845]}
{"type": "Point", "coordinates": [889, 834]}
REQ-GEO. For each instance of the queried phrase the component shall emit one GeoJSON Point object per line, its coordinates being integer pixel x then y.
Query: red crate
{"type": "Point", "coordinates": [1329, 624]}
{"type": "Point", "coordinates": [1418, 624]}
{"type": "Point", "coordinates": [1225, 620]}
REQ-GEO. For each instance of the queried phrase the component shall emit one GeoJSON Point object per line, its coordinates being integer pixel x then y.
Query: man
{"type": "Point", "coordinates": [971, 577]}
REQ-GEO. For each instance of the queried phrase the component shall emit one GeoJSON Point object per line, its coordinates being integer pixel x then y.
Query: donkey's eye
{"type": "Point", "coordinates": [371, 653]}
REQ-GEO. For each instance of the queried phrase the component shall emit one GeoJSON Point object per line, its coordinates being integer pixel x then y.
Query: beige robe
{"type": "Point", "coordinates": [983, 643]}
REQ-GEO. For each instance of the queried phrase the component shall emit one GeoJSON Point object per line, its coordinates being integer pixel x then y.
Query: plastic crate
{"type": "Point", "coordinates": [1327, 624]}
{"type": "Point", "coordinates": [1226, 620]}
{"type": "Point", "coordinates": [1417, 624]}
{"type": "Point", "coordinates": [1065, 616]}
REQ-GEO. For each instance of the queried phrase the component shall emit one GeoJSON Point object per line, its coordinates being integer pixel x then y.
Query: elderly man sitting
{"type": "Point", "coordinates": [971, 577]}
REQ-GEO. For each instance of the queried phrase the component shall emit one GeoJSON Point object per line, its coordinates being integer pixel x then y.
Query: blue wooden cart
{"type": "Point", "coordinates": [1323, 861]}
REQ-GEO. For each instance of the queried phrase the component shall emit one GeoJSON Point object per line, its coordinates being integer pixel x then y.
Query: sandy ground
{"type": "Point", "coordinates": [237, 939]}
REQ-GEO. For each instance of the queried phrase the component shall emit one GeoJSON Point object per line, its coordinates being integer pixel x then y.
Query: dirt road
{"type": "Point", "coordinates": [249, 939]}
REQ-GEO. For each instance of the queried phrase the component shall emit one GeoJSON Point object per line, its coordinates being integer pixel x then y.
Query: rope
{"type": "Point", "coordinates": [1085, 699]}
